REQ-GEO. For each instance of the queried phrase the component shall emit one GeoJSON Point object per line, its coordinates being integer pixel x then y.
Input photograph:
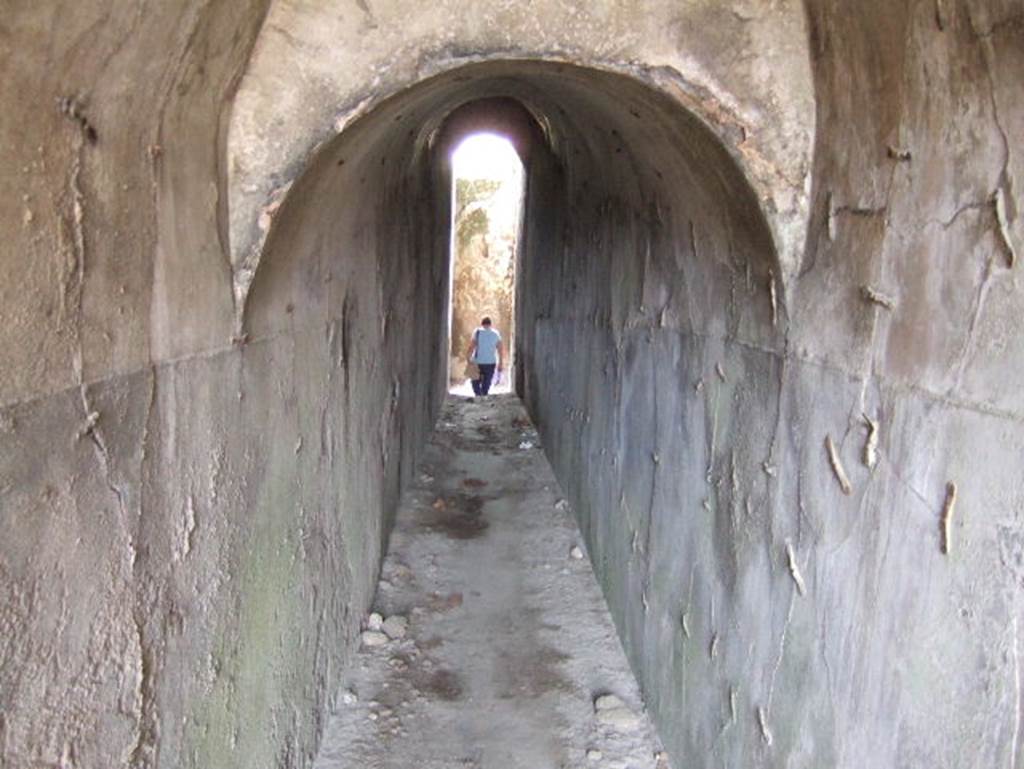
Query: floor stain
{"type": "Point", "coordinates": [441, 684]}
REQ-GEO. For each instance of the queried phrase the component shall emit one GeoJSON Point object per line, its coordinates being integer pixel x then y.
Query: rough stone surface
{"type": "Point", "coordinates": [773, 620]}
{"type": "Point", "coordinates": [193, 526]}
{"type": "Point", "coordinates": [740, 65]}
{"type": "Point", "coordinates": [395, 627]}
{"type": "Point", "coordinates": [749, 226]}
{"type": "Point", "coordinates": [373, 638]}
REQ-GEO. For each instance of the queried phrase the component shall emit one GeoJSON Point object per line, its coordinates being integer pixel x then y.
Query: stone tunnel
{"type": "Point", "coordinates": [769, 326]}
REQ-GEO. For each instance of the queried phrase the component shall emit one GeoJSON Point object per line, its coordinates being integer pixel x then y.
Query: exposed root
{"type": "Point", "coordinates": [71, 108]}
{"type": "Point", "coordinates": [947, 517]}
{"type": "Point", "coordinates": [875, 296]}
{"type": "Point", "coordinates": [830, 218]}
{"type": "Point", "coordinates": [871, 445]}
{"type": "Point", "coordinates": [762, 724]}
{"type": "Point", "coordinates": [794, 570]}
{"type": "Point", "coordinates": [91, 420]}
{"type": "Point", "coordinates": [899, 153]}
{"type": "Point", "coordinates": [774, 298]}
{"type": "Point", "coordinates": [837, 466]}
{"type": "Point", "coordinates": [999, 200]}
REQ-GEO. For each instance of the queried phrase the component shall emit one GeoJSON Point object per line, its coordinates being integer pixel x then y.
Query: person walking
{"type": "Point", "coordinates": [487, 353]}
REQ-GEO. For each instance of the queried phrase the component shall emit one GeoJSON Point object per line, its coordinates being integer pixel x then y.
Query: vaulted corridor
{"type": "Point", "coordinates": [769, 328]}
{"type": "Point", "coordinates": [503, 654]}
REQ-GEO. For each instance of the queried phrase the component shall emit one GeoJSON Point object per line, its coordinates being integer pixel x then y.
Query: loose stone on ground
{"type": "Point", "coordinates": [485, 649]}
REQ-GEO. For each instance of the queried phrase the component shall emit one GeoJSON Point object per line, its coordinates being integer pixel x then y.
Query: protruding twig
{"type": "Point", "coordinates": [91, 420]}
{"type": "Point", "coordinates": [837, 466]}
{"type": "Point", "coordinates": [71, 108]}
{"type": "Point", "coordinates": [999, 200]}
{"type": "Point", "coordinates": [773, 297]}
{"type": "Point", "coordinates": [762, 723]}
{"type": "Point", "coordinates": [794, 570]}
{"type": "Point", "coordinates": [871, 446]}
{"type": "Point", "coordinates": [875, 296]}
{"type": "Point", "coordinates": [947, 517]}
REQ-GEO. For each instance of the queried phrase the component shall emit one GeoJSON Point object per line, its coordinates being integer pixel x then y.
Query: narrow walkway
{"type": "Point", "coordinates": [496, 649]}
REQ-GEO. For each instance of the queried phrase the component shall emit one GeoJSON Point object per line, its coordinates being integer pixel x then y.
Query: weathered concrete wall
{"type": "Point", "coordinates": [220, 338]}
{"type": "Point", "coordinates": [773, 619]}
{"type": "Point", "coordinates": [742, 65]}
{"type": "Point", "coordinates": [192, 523]}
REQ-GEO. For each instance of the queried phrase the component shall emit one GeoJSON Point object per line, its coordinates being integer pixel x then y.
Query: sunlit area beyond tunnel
{"type": "Point", "coordinates": [495, 385]}
{"type": "Point", "coordinates": [487, 206]}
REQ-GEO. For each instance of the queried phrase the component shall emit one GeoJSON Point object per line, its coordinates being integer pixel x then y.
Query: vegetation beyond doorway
{"type": "Point", "coordinates": [487, 191]}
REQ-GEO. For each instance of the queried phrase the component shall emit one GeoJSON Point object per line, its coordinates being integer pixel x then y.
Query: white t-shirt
{"type": "Point", "coordinates": [487, 340]}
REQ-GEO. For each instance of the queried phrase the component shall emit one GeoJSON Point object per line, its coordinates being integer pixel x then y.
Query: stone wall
{"type": "Point", "coordinates": [750, 228]}
{"type": "Point", "coordinates": [195, 483]}
{"type": "Point", "coordinates": [776, 618]}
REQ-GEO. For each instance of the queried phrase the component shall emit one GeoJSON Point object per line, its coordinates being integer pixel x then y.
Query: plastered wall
{"type": "Point", "coordinates": [750, 228]}
{"type": "Point", "coordinates": [195, 491]}
{"type": "Point", "coordinates": [783, 604]}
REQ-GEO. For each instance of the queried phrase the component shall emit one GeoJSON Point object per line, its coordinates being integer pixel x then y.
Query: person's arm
{"type": "Point", "coordinates": [472, 348]}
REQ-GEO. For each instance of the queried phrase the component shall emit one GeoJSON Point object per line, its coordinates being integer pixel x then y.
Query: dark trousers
{"type": "Point", "coordinates": [483, 384]}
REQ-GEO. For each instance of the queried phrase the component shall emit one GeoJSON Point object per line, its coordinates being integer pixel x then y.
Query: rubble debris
{"type": "Point", "coordinates": [612, 711]}
{"type": "Point", "coordinates": [373, 638]}
{"type": "Point", "coordinates": [395, 627]}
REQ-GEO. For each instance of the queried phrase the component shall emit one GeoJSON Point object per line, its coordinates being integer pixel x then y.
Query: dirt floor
{"type": "Point", "coordinates": [490, 646]}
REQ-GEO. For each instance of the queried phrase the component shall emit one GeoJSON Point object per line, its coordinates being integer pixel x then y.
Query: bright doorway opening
{"type": "Point", "coordinates": [487, 202]}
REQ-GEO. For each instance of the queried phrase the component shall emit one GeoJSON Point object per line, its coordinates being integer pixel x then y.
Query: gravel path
{"type": "Point", "coordinates": [490, 646]}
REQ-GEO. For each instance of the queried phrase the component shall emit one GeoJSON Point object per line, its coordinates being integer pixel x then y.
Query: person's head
{"type": "Point", "coordinates": [486, 323]}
